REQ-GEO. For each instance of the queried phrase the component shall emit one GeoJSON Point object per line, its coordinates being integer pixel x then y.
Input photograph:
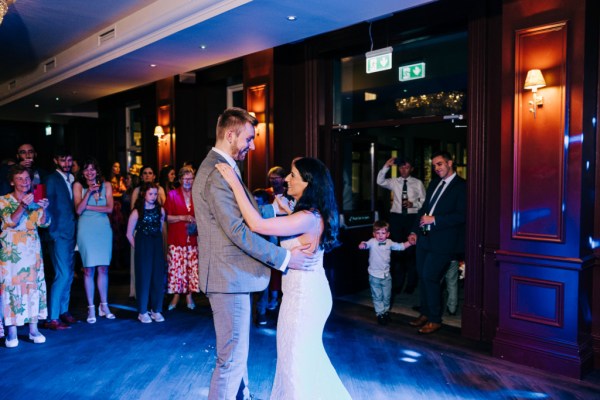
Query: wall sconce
{"type": "Point", "coordinates": [159, 133]}
{"type": "Point", "coordinates": [533, 81]}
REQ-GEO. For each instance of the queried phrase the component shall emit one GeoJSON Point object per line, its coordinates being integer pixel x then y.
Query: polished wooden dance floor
{"type": "Point", "coordinates": [124, 359]}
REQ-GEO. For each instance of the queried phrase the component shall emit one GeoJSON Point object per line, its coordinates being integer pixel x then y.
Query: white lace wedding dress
{"type": "Point", "coordinates": [304, 371]}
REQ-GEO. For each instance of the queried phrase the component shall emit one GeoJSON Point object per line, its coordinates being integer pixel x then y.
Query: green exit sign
{"type": "Point", "coordinates": [412, 71]}
{"type": "Point", "coordinates": [379, 60]}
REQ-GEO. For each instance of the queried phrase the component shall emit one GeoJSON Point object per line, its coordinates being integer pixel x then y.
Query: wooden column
{"type": "Point", "coordinates": [165, 98]}
{"type": "Point", "coordinates": [543, 257]}
{"type": "Point", "coordinates": [258, 91]}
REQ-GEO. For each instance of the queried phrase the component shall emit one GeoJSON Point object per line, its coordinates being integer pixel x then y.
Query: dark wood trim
{"type": "Point", "coordinates": [594, 281]}
{"type": "Point", "coordinates": [478, 87]}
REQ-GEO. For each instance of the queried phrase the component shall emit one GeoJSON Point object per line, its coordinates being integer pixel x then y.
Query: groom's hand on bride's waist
{"type": "Point", "coordinates": [302, 259]}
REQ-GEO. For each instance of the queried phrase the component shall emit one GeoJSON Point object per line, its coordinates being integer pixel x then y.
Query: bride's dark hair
{"type": "Point", "coordinates": [318, 196]}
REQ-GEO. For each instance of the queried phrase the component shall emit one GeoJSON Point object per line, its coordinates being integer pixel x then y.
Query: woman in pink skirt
{"type": "Point", "coordinates": [182, 254]}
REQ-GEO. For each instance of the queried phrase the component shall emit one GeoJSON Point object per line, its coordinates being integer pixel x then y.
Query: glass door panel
{"type": "Point", "coordinates": [133, 127]}
{"type": "Point", "coordinates": [365, 151]}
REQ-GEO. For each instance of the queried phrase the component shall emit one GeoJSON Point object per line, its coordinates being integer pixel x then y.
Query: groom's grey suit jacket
{"type": "Point", "coordinates": [231, 258]}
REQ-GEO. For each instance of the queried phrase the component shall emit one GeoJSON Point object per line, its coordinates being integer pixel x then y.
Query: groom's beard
{"type": "Point", "coordinates": [239, 154]}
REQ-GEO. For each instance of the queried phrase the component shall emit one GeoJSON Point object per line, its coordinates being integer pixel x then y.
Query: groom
{"type": "Point", "coordinates": [232, 259]}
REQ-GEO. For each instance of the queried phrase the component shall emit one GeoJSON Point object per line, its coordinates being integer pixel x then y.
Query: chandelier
{"type": "Point", "coordinates": [4, 8]}
{"type": "Point", "coordinates": [432, 103]}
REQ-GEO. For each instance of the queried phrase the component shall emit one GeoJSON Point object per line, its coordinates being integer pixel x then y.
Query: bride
{"type": "Point", "coordinates": [303, 367]}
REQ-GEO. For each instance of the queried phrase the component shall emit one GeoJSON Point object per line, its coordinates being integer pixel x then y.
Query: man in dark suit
{"type": "Point", "coordinates": [62, 239]}
{"type": "Point", "coordinates": [439, 235]}
{"type": "Point", "coordinates": [232, 259]}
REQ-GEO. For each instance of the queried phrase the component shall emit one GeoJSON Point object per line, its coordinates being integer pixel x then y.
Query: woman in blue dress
{"type": "Point", "coordinates": [94, 203]}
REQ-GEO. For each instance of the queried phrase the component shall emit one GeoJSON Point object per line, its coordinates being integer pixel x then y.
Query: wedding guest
{"type": "Point", "coordinates": [147, 176]}
{"type": "Point", "coordinates": [116, 180]}
{"type": "Point", "coordinates": [380, 248]}
{"type": "Point", "coordinates": [131, 182]}
{"type": "Point", "coordinates": [22, 283]}
{"type": "Point", "coordinates": [62, 239]}
{"type": "Point", "coordinates": [93, 203]}
{"type": "Point", "coordinates": [278, 187]}
{"type": "Point", "coordinates": [166, 178]}
{"type": "Point", "coordinates": [146, 222]}
{"type": "Point", "coordinates": [408, 198]}
{"type": "Point", "coordinates": [118, 221]}
{"type": "Point", "coordinates": [182, 256]}
{"type": "Point", "coordinates": [191, 164]}
{"type": "Point", "coordinates": [75, 169]}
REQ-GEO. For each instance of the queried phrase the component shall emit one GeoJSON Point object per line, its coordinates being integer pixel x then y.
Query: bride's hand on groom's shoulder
{"type": "Point", "coordinates": [227, 172]}
{"type": "Point", "coordinates": [302, 259]}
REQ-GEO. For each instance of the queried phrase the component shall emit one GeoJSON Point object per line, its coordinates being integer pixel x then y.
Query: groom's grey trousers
{"type": "Point", "coordinates": [232, 318]}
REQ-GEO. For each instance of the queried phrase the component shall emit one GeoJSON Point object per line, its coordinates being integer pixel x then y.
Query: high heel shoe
{"type": "Point", "coordinates": [190, 301]}
{"type": "Point", "coordinates": [171, 307]}
{"type": "Point", "coordinates": [106, 314]}
{"type": "Point", "coordinates": [91, 318]}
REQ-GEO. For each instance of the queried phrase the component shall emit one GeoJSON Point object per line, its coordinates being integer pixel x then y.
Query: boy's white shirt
{"type": "Point", "coordinates": [379, 256]}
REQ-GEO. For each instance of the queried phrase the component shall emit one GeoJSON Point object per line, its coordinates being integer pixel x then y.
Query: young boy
{"type": "Point", "coordinates": [380, 280]}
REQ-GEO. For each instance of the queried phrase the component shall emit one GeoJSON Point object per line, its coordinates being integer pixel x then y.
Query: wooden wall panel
{"type": "Point", "coordinates": [539, 152]}
{"type": "Point", "coordinates": [258, 92]}
{"type": "Point", "coordinates": [547, 310]}
{"type": "Point", "coordinates": [257, 100]}
{"type": "Point", "coordinates": [542, 261]}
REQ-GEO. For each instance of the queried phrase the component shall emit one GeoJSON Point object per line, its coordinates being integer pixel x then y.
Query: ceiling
{"type": "Point", "coordinates": [58, 57]}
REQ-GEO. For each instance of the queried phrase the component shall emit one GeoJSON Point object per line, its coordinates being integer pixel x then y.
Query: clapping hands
{"type": "Point", "coordinates": [44, 203]}
{"type": "Point", "coordinates": [29, 202]}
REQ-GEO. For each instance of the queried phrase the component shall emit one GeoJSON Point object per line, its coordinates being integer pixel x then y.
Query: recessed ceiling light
{"type": "Point", "coordinates": [152, 65]}
{"type": "Point", "coordinates": [291, 18]}
{"type": "Point", "coordinates": [37, 106]}
{"type": "Point", "coordinates": [58, 98]}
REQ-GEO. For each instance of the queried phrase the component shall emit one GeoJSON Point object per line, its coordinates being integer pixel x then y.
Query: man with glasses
{"type": "Point", "coordinates": [276, 178]}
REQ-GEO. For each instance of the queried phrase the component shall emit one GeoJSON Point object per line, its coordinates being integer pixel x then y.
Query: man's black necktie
{"type": "Point", "coordinates": [404, 196]}
{"type": "Point", "coordinates": [436, 195]}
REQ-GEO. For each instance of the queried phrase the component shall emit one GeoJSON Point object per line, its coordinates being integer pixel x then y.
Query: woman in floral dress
{"type": "Point", "coordinates": [182, 253]}
{"type": "Point", "coordinates": [22, 284]}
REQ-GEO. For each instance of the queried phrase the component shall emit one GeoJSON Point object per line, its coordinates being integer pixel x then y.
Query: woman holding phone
{"type": "Point", "coordinates": [22, 284]}
{"type": "Point", "coordinates": [94, 203]}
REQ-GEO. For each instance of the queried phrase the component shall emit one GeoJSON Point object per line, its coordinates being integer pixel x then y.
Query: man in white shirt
{"type": "Point", "coordinates": [233, 261]}
{"type": "Point", "coordinates": [439, 235]}
{"type": "Point", "coordinates": [408, 197]}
